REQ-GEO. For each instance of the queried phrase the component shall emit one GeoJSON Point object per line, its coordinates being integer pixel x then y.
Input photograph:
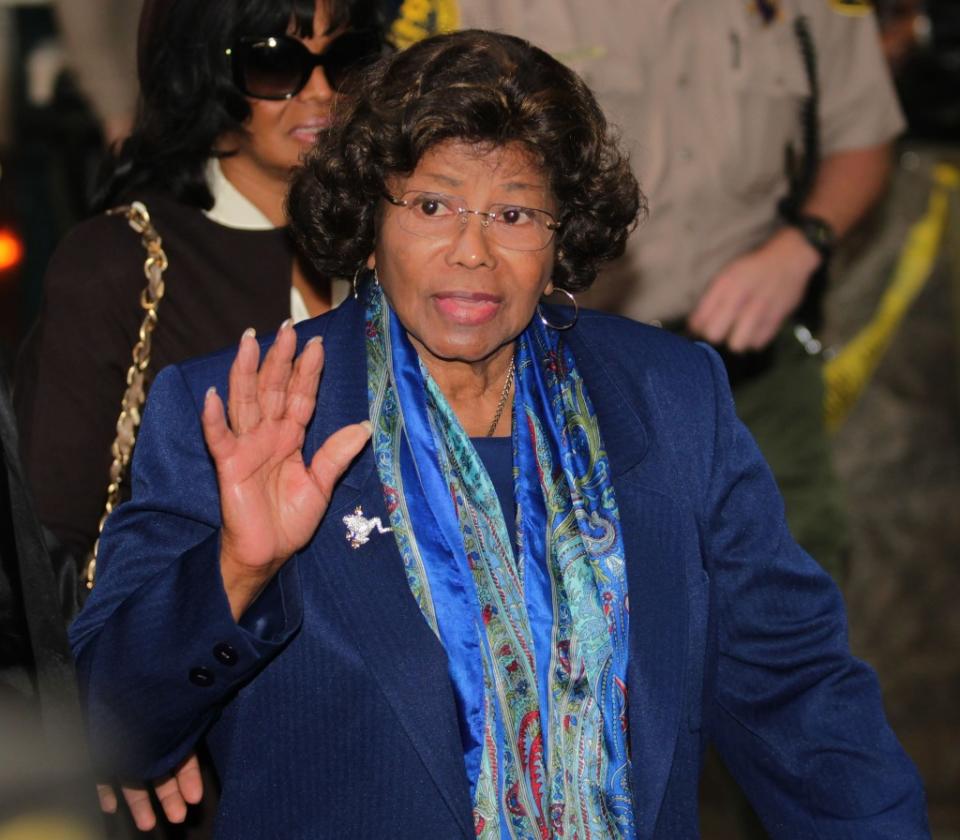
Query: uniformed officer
{"type": "Point", "coordinates": [710, 96]}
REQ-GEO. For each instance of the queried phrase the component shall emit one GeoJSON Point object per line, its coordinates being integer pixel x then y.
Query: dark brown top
{"type": "Point", "coordinates": [71, 372]}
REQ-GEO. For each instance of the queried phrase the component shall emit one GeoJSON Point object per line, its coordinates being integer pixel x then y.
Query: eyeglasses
{"type": "Point", "coordinates": [438, 216]}
{"type": "Point", "coordinates": [279, 66]}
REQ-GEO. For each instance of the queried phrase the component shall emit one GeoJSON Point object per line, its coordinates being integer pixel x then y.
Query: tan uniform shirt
{"type": "Point", "coordinates": [707, 97]}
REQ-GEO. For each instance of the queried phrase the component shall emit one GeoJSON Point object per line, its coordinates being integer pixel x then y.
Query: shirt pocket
{"type": "Point", "coordinates": [766, 98]}
{"type": "Point", "coordinates": [630, 104]}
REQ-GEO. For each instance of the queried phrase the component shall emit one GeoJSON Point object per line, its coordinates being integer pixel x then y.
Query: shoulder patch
{"type": "Point", "coordinates": [419, 19]}
{"type": "Point", "coordinates": [852, 8]}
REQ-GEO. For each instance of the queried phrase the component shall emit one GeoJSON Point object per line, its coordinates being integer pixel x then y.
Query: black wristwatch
{"type": "Point", "coordinates": [817, 232]}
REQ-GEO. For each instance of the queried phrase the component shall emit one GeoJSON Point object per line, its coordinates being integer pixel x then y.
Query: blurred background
{"type": "Point", "coordinates": [898, 449]}
{"type": "Point", "coordinates": [892, 333]}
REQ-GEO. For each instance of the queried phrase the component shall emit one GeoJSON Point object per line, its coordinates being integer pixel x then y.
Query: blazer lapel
{"type": "Point", "coordinates": [368, 584]}
{"type": "Point", "coordinates": [657, 537]}
{"type": "Point", "coordinates": [369, 587]}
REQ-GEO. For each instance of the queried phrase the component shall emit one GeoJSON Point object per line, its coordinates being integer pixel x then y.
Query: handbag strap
{"type": "Point", "coordinates": [135, 393]}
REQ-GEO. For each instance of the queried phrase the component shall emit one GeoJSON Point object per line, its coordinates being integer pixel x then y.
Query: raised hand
{"type": "Point", "coordinates": [271, 501]}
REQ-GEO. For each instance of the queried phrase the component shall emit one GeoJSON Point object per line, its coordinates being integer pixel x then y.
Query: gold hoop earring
{"type": "Point", "coordinates": [561, 327]}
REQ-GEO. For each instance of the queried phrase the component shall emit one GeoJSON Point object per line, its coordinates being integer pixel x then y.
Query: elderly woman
{"type": "Point", "coordinates": [507, 569]}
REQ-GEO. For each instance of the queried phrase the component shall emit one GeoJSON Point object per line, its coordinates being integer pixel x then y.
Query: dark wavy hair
{"type": "Point", "coordinates": [187, 95]}
{"type": "Point", "coordinates": [481, 88]}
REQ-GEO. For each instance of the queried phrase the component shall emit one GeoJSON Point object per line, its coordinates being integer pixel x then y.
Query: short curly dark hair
{"type": "Point", "coordinates": [476, 87]}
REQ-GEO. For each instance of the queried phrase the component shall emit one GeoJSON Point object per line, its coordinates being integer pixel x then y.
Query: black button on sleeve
{"type": "Point", "coordinates": [201, 676]}
{"type": "Point", "coordinates": [225, 654]}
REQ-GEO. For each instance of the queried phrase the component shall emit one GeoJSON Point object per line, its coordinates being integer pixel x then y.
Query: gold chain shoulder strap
{"type": "Point", "coordinates": [133, 397]}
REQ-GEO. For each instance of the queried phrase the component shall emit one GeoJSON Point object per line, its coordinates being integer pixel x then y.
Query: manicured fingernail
{"type": "Point", "coordinates": [249, 332]}
{"type": "Point", "coordinates": [286, 324]}
{"type": "Point", "coordinates": [367, 425]}
{"type": "Point", "coordinates": [210, 392]}
{"type": "Point", "coordinates": [317, 339]}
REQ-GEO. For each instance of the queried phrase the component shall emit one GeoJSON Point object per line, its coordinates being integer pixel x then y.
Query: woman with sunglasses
{"type": "Point", "coordinates": [470, 566]}
{"type": "Point", "coordinates": [233, 92]}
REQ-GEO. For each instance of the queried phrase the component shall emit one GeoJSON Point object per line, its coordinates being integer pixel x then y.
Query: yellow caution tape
{"type": "Point", "coordinates": [44, 827]}
{"type": "Point", "coordinates": [846, 375]}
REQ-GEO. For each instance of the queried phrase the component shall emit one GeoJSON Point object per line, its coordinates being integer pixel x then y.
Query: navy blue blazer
{"type": "Point", "coordinates": [328, 708]}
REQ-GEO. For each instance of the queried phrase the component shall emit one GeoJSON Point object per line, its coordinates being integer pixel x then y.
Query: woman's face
{"type": "Point", "coordinates": [278, 133]}
{"type": "Point", "coordinates": [464, 296]}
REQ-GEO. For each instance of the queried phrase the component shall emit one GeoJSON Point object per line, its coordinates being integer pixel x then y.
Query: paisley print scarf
{"type": "Point", "coordinates": [536, 633]}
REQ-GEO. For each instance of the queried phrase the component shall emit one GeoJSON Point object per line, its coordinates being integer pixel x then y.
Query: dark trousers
{"type": "Point", "coordinates": [781, 402]}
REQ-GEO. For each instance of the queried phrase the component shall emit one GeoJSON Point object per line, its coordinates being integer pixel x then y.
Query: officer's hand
{"type": "Point", "coordinates": [747, 302]}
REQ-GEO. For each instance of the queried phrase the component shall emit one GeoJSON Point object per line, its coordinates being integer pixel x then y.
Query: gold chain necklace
{"type": "Point", "coordinates": [503, 397]}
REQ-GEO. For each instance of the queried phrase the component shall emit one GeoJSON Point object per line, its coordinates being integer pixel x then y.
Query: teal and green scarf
{"type": "Point", "coordinates": [542, 711]}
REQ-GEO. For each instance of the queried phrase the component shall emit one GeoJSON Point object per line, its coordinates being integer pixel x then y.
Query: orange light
{"type": "Point", "coordinates": [11, 250]}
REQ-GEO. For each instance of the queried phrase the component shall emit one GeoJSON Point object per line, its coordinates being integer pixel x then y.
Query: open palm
{"type": "Point", "coordinates": [271, 500]}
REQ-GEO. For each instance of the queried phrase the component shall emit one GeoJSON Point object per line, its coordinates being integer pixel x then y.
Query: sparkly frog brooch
{"type": "Point", "coordinates": [359, 528]}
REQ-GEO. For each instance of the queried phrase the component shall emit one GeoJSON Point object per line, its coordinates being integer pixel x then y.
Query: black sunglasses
{"type": "Point", "coordinates": [279, 66]}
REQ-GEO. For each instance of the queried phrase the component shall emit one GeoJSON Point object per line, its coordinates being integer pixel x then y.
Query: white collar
{"type": "Point", "coordinates": [231, 208]}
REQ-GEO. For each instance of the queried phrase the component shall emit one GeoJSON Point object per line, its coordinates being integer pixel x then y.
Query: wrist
{"type": "Point", "coordinates": [797, 251]}
{"type": "Point", "coordinates": [241, 591]}
{"type": "Point", "coordinates": [818, 233]}
{"type": "Point", "coordinates": [242, 583]}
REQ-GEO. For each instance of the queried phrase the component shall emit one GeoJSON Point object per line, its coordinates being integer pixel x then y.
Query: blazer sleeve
{"type": "Point", "coordinates": [158, 652]}
{"type": "Point", "coordinates": [797, 719]}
